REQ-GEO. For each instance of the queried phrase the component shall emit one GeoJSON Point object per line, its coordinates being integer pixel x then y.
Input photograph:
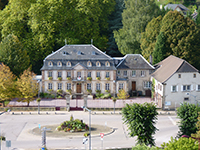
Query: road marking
{"type": "Point", "coordinates": [174, 123]}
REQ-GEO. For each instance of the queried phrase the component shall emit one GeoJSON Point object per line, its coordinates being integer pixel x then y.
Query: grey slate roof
{"type": "Point", "coordinates": [134, 61]}
{"type": "Point", "coordinates": [174, 6]}
{"type": "Point", "coordinates": [78, 54]}
{"type": "Point", "coordinates": [171, 65]}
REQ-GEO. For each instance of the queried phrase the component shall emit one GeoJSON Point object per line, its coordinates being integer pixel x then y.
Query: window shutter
{"type": "Point", "coordinates": [191, 87]}
{"type": "Point", "coordinates": [172, 88]}
{"type": "Point", "coordinates": [177, 88]}
{"type": "Point", "coordinates": [197, 87]}
{"type": "Point", "coordinates": [181, 88]}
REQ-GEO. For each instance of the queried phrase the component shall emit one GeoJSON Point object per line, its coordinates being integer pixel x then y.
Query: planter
{"type": "Point", "coordinates": [59, 78]}
{"type": "Point", "coordinates": [68, 78]}
{"type": "Point", "coordinates": [69, 91]}
{"type": "Point", "coordinates": [98, 78]}
{"type": "Point", "coordinates": [89, 78]}
{"type": "Point", "coordinates": [107, 91]}
{"type": "Point", "coordinates": [50, 78]}
{"type": "Point", "coordinates": [107, 78]}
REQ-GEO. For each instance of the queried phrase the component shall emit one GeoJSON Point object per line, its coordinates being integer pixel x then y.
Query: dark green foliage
{"type": "Point", "coordinates": [181, 144]}
{"type": "Point", "coordinates": [198, 17]}
{"type": "Point", "coordinates": [14, 55]}
{"type": "Point", "coordinates": [140, 119]}
{"type": "Point", "coordinates": [3, 3]}
{"type": "Point", "coordinates": [73, 126]}
{"type": "Point", "coordinates": [115, 23]}
{"type": "Point", "coordinates": [188, 114]}
{"type": "Point", "coordinates": [144, 147]}
{"type": "Point", "coordinates": [135, 17]}
{"type": "Point", "coordinates": [160, 48]}
{"type": "Point", "coordinates": [182, 37]}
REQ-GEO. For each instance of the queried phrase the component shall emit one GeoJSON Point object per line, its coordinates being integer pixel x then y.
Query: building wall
{"type": "Point", "coordinates": [180, 95]}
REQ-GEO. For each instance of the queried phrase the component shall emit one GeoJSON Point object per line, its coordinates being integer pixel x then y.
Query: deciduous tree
{"type": "Point", "coordinates": [136, 15]}
{"type": "Point", "coordinates": [122, 94]}
{"type": "Point", "coordinates": [8, 89]}
{"type": "Point", "coordinates": [140, 119]}
{"type": "Point", "coordinates": [188, 114]}
{"type": "Point", "coordinates": [27, 86]}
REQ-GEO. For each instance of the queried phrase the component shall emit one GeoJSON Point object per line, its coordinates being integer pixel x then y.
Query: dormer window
{"type": "Point", "coordinates": [79, 53]}
{"type": "Point", "coordinates": [50, 64]}
{"type": "Point", "coordinates": [59, 64]}
{"type": "Point", "coordinates": [68, 64]}
{"type": "Point", "coordinates": [107, 64]}
{"type": "Point", "coordinates": [93, 53]}
{"type": "Point", "coordinates": [98, 64]}
{"type": "Point", "coordinates": [64, 53]}
{"type": "Point", "coordinates": [89, 64]}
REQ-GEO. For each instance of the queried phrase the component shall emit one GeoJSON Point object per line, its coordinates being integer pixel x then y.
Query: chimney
{"type": "Point", "coordinates": [150, 59]}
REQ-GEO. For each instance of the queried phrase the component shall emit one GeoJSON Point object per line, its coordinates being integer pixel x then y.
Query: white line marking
{"type": "Point", "coordinates": [174, 123]}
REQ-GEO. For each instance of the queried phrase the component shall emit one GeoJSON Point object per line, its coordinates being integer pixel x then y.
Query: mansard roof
{"type": "Point", "coordinates": [78, 54]}
{"type": "Point", "coordinates": [134, 61]}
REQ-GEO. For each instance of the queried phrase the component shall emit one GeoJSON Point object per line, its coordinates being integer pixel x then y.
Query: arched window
{"type": "Point", "coordinates": [59, 64]}
{"type": "Point", "coordinates": [50, 64]}
{"type": "Point", "coordinates": [107, 64]}
{"type": "Point", "coordinates": [68, 64]}
{"type": "Point", "coordinates": [98, 64]}
{"type": "Point", "coordinates": [89, 64]}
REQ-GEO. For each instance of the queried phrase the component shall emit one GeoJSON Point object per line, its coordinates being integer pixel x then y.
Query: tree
{"type": "Point", "coordinates": [135, 17]}
{"type": "Point", "coordinates": [8, 89]}
{"type": "Point", "coordinates": [122, 94]}
{"type": "Point", "coordinates": [188, 114]}
{"type": "Point", "coordinates": [27, 86]}
{"type": "Point", "coordinates": [160, 48]}
{"type": "Point", "coordinates": [182, 38]}
{"type": "Point", "coordinates": [115, 23]}
{"type": "Point", "coordinates": [140, 119]}
{"type": "Point", "coordinates": [198, 17]}
{"type": "Point", "coordinates": [180, 144]}
{"type": "Point", "coordinates": [13, 54]}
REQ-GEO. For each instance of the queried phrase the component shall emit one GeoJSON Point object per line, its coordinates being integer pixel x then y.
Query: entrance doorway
{"type": "Point", "coordinates": [78, 88]}
{"type": "Point", "coordinates": [133, 86]}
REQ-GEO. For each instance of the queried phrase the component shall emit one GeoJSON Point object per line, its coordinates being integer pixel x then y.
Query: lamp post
{"type": "Point", "coordinates": [89, 125]}
{"type": "Point", "coordinates": [38, 99]}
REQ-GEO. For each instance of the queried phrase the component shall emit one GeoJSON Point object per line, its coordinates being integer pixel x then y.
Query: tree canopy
{"type": "Point", "coordinates": [182, 37]}
{"type": "Point", "coordinates": [136, 15]}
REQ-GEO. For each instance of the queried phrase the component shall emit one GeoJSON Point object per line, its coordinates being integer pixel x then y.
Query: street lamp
{"type": "Point", "coordinates": [89, 125]}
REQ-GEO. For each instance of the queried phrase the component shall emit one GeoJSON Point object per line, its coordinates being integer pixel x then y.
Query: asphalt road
{"type": "Point", "coordinates": [17, 128]}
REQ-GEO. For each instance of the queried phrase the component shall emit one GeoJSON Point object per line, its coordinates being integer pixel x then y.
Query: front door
{"type": "Point", "coordinates": [78, 88]}
{"type": "Point", "coordinates": [133, 86]}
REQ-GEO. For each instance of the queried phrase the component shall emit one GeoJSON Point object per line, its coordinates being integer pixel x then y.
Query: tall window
{"type": "Point", "coordinates": [107, 75]}
{"type": "Point", "coordinates": [107, 86]}
{"type": "Point", "coordinates": [78, 74]}
{"type": "Point", "coordinates": [142, 73]}
{"type": "Point", "coordinates": [68, 74]}
{"type": "Point", "coordinates": [68, 86]}
{"type": "Point", "coordinates": [147, 84]}
{"type": "Point", "coordinates": [59, 86]}
{"type": "Point", "coordinates": [50, 64]}
{"type": "Point", "coordinates": [121, 86]}
{"type": "Point", "coordinates": [98, 86]}
{"type": "Point", "coordinates": [98, 74]}
{"type": "Point", "coordinates": [198, 87]}
{"type": "Point", "coordinates": [50, 74]}
{"type": "Point", "coordinates": [174, 88]}
{"type": "Point", "coordinates": [50, 86]}
{"type": "Point", "coordinates": [59, 74]}
{"type": "Point", "coordinates": [125, 73]}
{"type": "Point", "coordinates": [89, 74]}
{"type": "Point", "coordinates": [133, 73]}
{"type": "Point", "coordinates": [59, 64]}
{"type": "Point", "coordinates": [89, 86]}
{"type": "Point", "coordinates": [68, 64]}
{"type": "Point", "coordinates": [118, 72]}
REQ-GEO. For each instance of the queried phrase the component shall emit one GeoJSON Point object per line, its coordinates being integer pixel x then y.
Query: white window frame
{"type": "Point", "coordinates": [68, 64]}
{"type": "Point", "coordinates": [98, 74]}
{"type": "Point", "coordinates": [59, 74]}
{"type": "Point", "coordinates": [50, 74]}
{"type": "Point", "coordinates": [107, 86]}
{"type": "Point", "coordinates": [50, 64]}
{"type": "Point", "coordinates": [133, 73]}
{"type": "Point", "coordinates": [89, 86]}
{"type": "Point", "coordinates": [121, 86]}
{"type": "Point", "coordinates": [68, 73]}
{"type": "Point", "coordinates": [198, 87]}
{"type": "Point", "coordinates": [79, 74]}
{"type": "Point", "coordinates": [107, 64]}
{"type": "Point", "coordinates": [147, 84]}
{"type": "Point", "coordinates": [98, 86]}
{"type": "Point", "coordinates": [50, 86]}
{"type": "Point", "coordinates": [107, 74]}
{"type": "Point", "coordinates": [142, 73]}
{"type": "Point", "coordinates": [69, 86]}
{"type": "Point", "coordinates": [98, 64]}
{"type": "Point", "coordinates": [89, 64]}
{"type": "Point", "coordinates": [59, 64]}
{"type": "Point", "coordinates": [59, 86]}
{"type": "Point", "coordinates": [89, 74]}
{"type": "Point", "coordinates": [174, 88]}
{"type": "Point", "coordinates": [186, 88]}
